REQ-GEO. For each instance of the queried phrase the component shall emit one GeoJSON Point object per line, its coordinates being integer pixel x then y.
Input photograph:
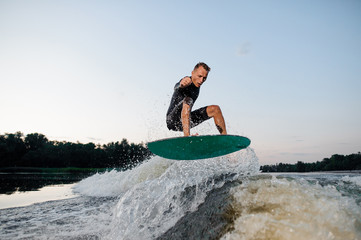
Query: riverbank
{"type": "Point", "coordinates": [53, 170]}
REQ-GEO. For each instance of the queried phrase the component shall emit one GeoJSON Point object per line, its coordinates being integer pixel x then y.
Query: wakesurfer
{"type": "Point", "coordinates": [180, 116]}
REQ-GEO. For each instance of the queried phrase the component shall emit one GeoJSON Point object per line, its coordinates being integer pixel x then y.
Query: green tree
{"type": "Point", "coordinates": [35, 141]}
{"type": "Point", "coordinates": [12, 149]}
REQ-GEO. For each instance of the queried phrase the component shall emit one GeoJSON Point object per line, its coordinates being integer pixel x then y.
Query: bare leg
{"type": "Point", "coordinates": [215, 112]}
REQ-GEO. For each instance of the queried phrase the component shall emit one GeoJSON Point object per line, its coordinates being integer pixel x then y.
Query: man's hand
{"type": "Point", "coordinates": [185, 82]}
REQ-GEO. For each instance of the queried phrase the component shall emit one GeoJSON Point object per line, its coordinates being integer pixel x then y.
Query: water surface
{"type": "Point", "coordinates": [220, 198]}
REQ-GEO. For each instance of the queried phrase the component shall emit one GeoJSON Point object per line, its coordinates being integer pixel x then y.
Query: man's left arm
{"type": "Point", "coordinates": [185, 116]}
{"type": "Point", "coordinates": [186, 110]}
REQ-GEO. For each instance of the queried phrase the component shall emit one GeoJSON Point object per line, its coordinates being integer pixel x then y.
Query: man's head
{"type": "Point", "coordinates": [200, 73]}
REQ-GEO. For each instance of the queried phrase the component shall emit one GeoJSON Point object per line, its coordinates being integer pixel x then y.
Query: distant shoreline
{"type": "Point", "coordinates": [69, 170]}
{"type": "Point", "coordinates": [336, 163]}
{"type": "Point", "coordinates": [36, 153]}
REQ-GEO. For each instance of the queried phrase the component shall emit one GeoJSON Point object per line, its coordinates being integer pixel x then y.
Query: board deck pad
{"type": "Point", "coordinates": [198, 147]}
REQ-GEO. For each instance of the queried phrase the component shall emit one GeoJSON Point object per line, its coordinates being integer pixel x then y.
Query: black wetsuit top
{"type": "Point", "coordinates": [190, 95]}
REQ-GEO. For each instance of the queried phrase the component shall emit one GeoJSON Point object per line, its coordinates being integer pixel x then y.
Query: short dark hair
{"type": "Point", "coordinates": [202, 64]}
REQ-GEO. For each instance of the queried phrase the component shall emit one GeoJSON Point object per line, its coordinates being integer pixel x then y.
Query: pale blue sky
{"type": "Point", "coordinates": [287, 74]}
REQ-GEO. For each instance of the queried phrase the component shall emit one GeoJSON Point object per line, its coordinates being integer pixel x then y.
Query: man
{"type": "Point", "coordinates": [186, 91]}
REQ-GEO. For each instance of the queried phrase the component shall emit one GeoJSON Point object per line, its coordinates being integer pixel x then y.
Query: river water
{"type": "Point", "coordinates": [219, 198]}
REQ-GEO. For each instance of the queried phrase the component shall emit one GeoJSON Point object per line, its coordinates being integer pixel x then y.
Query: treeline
{"type": "Point", "coordinates": [335, 163]}
{"type": "Point", "coordinates": [35, 150]}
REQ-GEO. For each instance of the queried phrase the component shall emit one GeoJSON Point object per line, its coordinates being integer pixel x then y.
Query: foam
{"type": "Point", "coordinates": [354, 180]}
{"type": "Point", "coordinates": [293, 209]}
{"type": "Point", "coordinates": [153, 204]}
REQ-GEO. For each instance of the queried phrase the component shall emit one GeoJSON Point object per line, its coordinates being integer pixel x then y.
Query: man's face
{"type": "Point", "coordinates": [199, 76]}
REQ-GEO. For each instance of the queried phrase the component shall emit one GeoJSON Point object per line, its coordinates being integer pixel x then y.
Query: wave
{"type": "Point", "coordinates": [225, 198]}
{"type": "Point", "coordinates": [116, 183]}
{"type": "Point", "coordinates": [355, 180]}
{"type": "Point", "coordinates": [156, 194]}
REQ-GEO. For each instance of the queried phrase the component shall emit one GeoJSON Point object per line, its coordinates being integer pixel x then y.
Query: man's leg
{"type": "Point", "coordinates": [215, 112]}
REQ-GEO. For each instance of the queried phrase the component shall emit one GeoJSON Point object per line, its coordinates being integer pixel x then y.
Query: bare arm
{"type": "Point", "coordinates": [185, 118]}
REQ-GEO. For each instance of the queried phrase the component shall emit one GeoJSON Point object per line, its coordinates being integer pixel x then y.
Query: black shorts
{"type": "Point", "coordinates": [174, 120]}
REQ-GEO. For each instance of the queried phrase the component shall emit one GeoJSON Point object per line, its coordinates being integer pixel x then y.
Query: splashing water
{"type": "Point", "coordinates": [157, 193]}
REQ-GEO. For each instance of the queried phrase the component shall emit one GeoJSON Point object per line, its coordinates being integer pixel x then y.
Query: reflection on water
{"type": "Point", "coordinates": [22, 189]}
{"type": "Point", "coordinates": [48, 193]}
{"type": "Point", "coordinates": [23, 182]}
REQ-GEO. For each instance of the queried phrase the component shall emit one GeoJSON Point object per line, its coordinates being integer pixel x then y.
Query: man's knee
{"type": "Point", "coordinates": [213, 110]}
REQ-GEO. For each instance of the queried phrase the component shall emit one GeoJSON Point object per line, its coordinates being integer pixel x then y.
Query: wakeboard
{"type": "Point", "coordinates": [198, 147]}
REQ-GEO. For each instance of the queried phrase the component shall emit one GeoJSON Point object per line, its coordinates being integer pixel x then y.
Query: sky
{"type": "Point", "coordinates": [286, 74]}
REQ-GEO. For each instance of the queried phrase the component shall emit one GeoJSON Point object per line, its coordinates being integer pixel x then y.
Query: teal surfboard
{"type": "Point", "coordinates": [198, 147]}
